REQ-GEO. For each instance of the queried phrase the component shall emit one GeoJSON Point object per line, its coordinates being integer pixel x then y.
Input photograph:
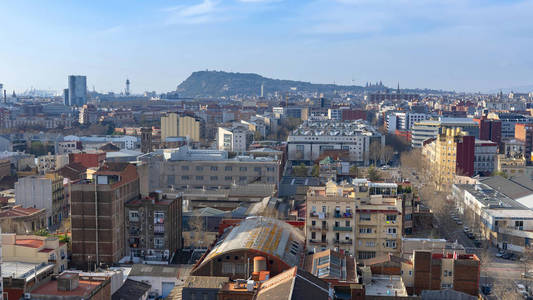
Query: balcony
{"type": "Point", "coordinates": [318, 242]}
{"type": "Point", "coordinates": [341, 228]}
{"type": "Point", "coordinates": [315, 214]}
{"type": "Point", "coordinates": [346, 215]}
{"type": "Point", "coordinates": [319, 228]}
{"type": "Point", "coordinates": [342, 241]}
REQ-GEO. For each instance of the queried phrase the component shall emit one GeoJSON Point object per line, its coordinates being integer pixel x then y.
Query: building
{"type": "Point", "coordinates": [146, 140]}
{"type": "Point", "coordinates": [77, 90]}
{"type": "Point", "coordinates": [185, 167]}
{"type": "Point", "coordinates": [132, 290]}
{"type": "Point", "coordinates": [236, 139]}
{"type": "Point", "coordinates": [34, 249]}
{"type": "Point", "coordinates": [70, 285]}
{"type": "Point", "coordinates": [88, 114]}
{"type": "Point", "coordinates": [281, 245]}
{"type": "Point", "coordinates": [301, 113]}
{"type": "Point", "coordinates": [437, 271]}
{"type": "Point", "coordinates": [43, 192]}
{"type": "Point", "coordinates": [153, 227]}
{"type": "Point", "coordinates": [364, 219]}
{"type": "Point", "coordinates": [173, 125]}
{"type": "Point", "coordinates": [93, 143]}
{"type": "Point", "coordinates": [424, 130]}
{"type": "Point", "coordinates": [50, 163]}
{"type": "Point", "coordinates": [162, 279]}
{"type": "Point", "coordinates": [207, 287]}
{"type": "Point", "coordinates": [508, 121]}
{"type": "Point", "coordinates": [293, 284]}
{"type": "Point", "coordinates": [310, 140]}
{"type": "Point", "coordinates": [101, 239]}
{"type": "Point", "coordinates": [485, 157]}
{"type": "Point", "coordinates": [524, 133]}
{"type": "Point", "coordinates": [490, 130]}
{"type": "Point", "coordinates": [451, 153]}
{"type": "Point", "coordinates": [20, 278]}
{"type": "Point", "coordinates": [67, 147]}
{"type": "Point", "coordinates": [21, 220]}
{"type": "Point", "coordinates": [404, 120]}
{"type": "Point", "coordinates": [88, 159]}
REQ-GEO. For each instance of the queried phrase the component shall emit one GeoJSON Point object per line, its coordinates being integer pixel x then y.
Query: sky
{"type": "Point", "coordinates": [461, 45]}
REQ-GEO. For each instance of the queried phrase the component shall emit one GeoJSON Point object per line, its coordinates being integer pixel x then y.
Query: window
{"type": "Point", "coordinates": [228, 168]}
{"type": "Point", "coordinates": [364, 217]}
{"type": "Point", "coordinates": [313, 235]}
{"type": "Point", "coordinates": [185, 168]}
{"type": "Point", "coordinates": [214, 178]}
{"type": "Point", "coordinates": [243, 169]}
{"type": "Point", "coordinates": [199, 168]}
{"type": "Point", "coordinates": [365, 230]}
{"type": "Point", "coordinates": [199, 177]}
{"type": "Point", "coordinates": [257, 169]}
{"type": "Point", "coordinates": [391, 218]}
{"type": "Point", "coordinates": [347, 223]}
{"type": "Point", "coordinates": [391, 230]}
{"type": "Point", "coordinates": [390, 244]}
{"type": "Point", "coordinates": [324, 209]}
{"type": "Point", "coordinates": [313, 223]}
{"type": "Point", "coordinates": [185, 177]}
{"type": "Point", "coordinates": [171, 179]}
{"type": "Point", "coordinates": [243, 179]}
{"type": "Point", "coordinates": [227, 268]}
{"type": "Point", "coordinates": [159, 243]}
{"type": "Point", "coordinates": [228, 178]}
{"type": "Point", "coordinates": [214, 168]}
{"type": "Point", "coordinates": [370, 244]}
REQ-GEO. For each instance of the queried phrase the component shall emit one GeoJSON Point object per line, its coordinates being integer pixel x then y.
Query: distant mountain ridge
{"type": "Point", "coordinates": [209, 84]}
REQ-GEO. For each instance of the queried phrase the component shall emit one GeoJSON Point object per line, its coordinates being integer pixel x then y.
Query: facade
{"type": "Point", "coordinates": [34, 249]}
{"type": "Point", "coordinates": [153, 227]}
{"type": "Point", "coordinates": [77, 90]}
{"type": "Point", "coordinates": [146, 140]}
{"type": "Point", "coordinates": [490, 130]}
{"type": "Point", "coordinates": [185, 167]}
{"type": "Point", "coordinates": [424, 130]}
{"type": "Point", "coordinates": [437, 271]}
{"type": "Point", "coordinates": [485, 157]}
{"type": "Point", "coordinates": [101, 239]}
{"type": "Point", "coordinates": [67, 147]}
{"type": "Point", "coordinates": [450, 154]}
{"type": "Point", "coordinates": [309, 141]}
{"type": "Point", "coordinates": [43, 192]}
{"type": "Point", "coordinates": [88, 114]}
{"type": "Point", "coordinates": [50, 163]}
{"type": "Point", "coordinates": [173, 125]}
{"type": "Point", "coordinates": [364, 219]}
{"type": "Point", "coordinates": [236, 139]}
{"type": "Point", "coordinates": [404, 120]}
{"type": "Point", "coordinates": [508, 121]}
{"type": "Point", "coordinates": [524, 133]}
{"type": "Point", "coordinates": [21, 220]}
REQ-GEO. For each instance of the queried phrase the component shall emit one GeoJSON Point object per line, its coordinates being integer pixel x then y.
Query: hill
{"type": "Point", "coordinates": [218, 83]}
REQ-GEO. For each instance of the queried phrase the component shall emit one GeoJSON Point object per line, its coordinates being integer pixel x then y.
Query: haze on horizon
{"type": "Point", "coordinates": [462, 45]}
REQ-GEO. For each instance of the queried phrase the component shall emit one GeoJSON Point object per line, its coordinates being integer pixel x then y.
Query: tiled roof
{"type": "Point", "coordinates": [31, 243]}
{"type": "Point", "coordinates": [18, 211]}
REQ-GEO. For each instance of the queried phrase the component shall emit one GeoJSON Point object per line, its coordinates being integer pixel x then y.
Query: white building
{"type": "Point", "coordinates": [485, 157]}
{"type": "Point", "coordinates": [47, 163]}
{"type": "Point", "coordinates": [312, 138]}
{"type": "Point", "coordinates": [95, 142]}
{"type": "Point", "coordinates": [236, 139]}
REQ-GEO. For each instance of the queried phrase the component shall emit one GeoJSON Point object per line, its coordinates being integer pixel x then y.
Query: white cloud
{"type": "Point", "coordinates": [199, 13]}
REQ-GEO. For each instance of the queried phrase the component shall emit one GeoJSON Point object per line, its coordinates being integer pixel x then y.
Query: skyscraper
{"type": "Point", "coordinates": [77, 90]}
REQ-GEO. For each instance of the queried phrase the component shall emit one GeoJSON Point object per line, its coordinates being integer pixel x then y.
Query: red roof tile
{"type": "Point", "coordinates": [29, 243]}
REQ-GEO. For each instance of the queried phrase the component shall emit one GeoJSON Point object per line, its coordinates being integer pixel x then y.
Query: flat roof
{"type": "Point", "coordinates": [386, 285]}
{"type": "Point", "coordinates": [20, 270]}
{"type": "Point", "coordinates": [84, 288]}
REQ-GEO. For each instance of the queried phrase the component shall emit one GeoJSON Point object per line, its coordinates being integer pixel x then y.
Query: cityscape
{"type": "Point", "coordinates": [262, 185]}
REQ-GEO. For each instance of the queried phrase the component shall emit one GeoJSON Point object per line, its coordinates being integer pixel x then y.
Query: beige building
{"type": "Point", "coordinates": [173, 125]}
{"type": "Point", "coordinates": [190, 168]}
{"type": "Point", "coordinates": [364, 219]}
{"type": "Point", "coordinates": [34, 249]}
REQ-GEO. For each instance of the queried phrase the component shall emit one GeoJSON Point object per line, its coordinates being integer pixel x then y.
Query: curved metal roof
{"type": "Point", "coordinates": [267, 235]}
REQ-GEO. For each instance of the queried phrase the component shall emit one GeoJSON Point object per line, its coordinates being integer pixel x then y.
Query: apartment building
{"type": "Point", "coordinates": [485, 157]}
{"type": "Point", "coordinates": [34, 249]}
{"type": "Point", "coordinates": [404, 120]}
{"type": "Point", "coordinates": [363, 219]}
{"type": "Point", "coordinates": [173, 125]}
{"type": "Point", "coordinates": [236, 139]}
{"type": "Point", "coordinates": [51, 162]}
{"type": "Point", "coordinates": [153, 227]}
{"type": "Point", "coordinates": [184, 167]}
{"type": "Point", "coordinates": [428, 129]}
{"type": "Point", "coordinates": [449, 154]}
{"type": "Point", "coordinates": [46, 192]}
{"type": "Point", "coordinates": [98, 234]}
{"type": "Point", "coordinates": [524, 133]}
{"type": "Point", "coordinates": [309, 141]}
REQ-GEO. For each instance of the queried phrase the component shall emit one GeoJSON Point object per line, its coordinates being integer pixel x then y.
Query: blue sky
{"type": "Point", "coordinates": [463, 45]}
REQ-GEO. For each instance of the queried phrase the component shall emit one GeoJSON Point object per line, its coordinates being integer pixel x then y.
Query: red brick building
{"type": "Point", "coordinates": [88, 160]}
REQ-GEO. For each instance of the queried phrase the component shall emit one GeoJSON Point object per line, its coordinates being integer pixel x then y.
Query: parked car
{"type": "Point", "coordinates": [466, 229]}
{"type": "Point", "coordinates": [459, 222]}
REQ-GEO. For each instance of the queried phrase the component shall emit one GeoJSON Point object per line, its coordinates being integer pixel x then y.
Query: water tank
{"type": "Point", "coordinates": [260, 264]}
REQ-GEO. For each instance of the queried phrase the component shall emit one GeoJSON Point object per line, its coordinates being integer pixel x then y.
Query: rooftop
{"type": "Point", "coordinates": [84, 289]}
{"type": "Point", "coordinates": [386, 285]}
{"type": "Point", "coordinates": [23, 270]}
{"type": "Point", "coordinates": [131, 289]}
{"type": "Point", "coordinates": [19, 211]}
{"type": "Point", "coordinates": [334, 128]}
{"type": "Point", "coordinates": [155, 271]}
{"type": "Point", "coordinates": [184, 153]}
{"type": "Point", "coordinates": [490, 197]}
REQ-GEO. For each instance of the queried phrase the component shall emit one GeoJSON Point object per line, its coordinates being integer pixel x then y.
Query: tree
{"type": "Point", "coordinates": [374, 174]}
{"type": "Point", "coordinates": [315, 171]}
{"type": "Point", "coordinates": [301, 170]}
{"type": "Point", "coordinates": [354, 170]}
{"type": "Point", "coordinates": [375, 152]}
{"type": "Point", "coordinates": [196, 226]}
{"type": "Point", "coordinates": [387, 154]}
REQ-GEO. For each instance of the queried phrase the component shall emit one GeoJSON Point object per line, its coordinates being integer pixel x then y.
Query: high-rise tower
{"type": "Point", "coordinates": [77, 90]}
{"type": "Point", "coordinates": [127, 87]}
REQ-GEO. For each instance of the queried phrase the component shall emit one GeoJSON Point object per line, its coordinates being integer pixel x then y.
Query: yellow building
{"type": "Point", "coordinates": [442, 155]}
{"type": "Point", "coordinates": [364, 219]}
{"type": "Point", "coordinates": [169, 126]}
{"type": "Point", "coordinates": [34, 249]}
{"type": "Point", "coordinates": [173, 125]}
